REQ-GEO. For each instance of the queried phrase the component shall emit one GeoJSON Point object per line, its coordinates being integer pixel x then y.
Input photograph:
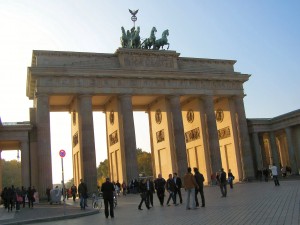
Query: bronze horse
{"type": "Point", "coordinates": [148, 42]}
{"type": "Point", "coordinates": [162, 41]}
{"type": "Point", "coordinates": [124, 38]}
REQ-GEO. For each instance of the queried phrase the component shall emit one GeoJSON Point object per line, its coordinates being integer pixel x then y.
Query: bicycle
{"type": "Point", "coordinates": [97, 201]}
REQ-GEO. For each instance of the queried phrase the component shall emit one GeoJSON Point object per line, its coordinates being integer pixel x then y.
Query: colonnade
{"type": "Point", "coordinates": [169, 151]}
{"type": "Point", "coordinates": [276, 141]}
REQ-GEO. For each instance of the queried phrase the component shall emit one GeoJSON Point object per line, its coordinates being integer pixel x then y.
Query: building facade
{"type": "Point", "coordinates": [195, 108]}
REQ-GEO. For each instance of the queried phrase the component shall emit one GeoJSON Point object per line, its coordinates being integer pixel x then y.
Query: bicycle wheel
{"type": "Point", "coordinates": [97, 205]}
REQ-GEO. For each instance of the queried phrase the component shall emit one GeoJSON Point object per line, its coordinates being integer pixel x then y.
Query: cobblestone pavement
{"type": "Point", "coordinates": [247, 203]}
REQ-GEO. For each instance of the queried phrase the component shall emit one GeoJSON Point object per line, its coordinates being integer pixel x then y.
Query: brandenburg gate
{"type": "Point", "coordinates": [195, 108]}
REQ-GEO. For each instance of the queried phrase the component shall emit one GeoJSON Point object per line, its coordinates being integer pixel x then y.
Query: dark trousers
{"type": "Point", "coordinates": [275, 178]}
{"type": "Point", "coordinates": [23, 202]}
{"type": "Point", "coordinates": [11, 204]}
{"type": "Point", "coordinates": [161, 197]}
{"type": "Point", "coordinates": [171, 195]}
{"type": "Point", "coordinates": [223, 187]}
{"type": "Point", "coordinates": [178, 191]}
{"type": "Point", "coordinates": [144, 199]}
{"type": "Point", "coordinates": [200, 190]}
{"type": "Point", "coordinates": [150, 197]}
{"type": "Point", "coordinates": [74, 197]}
{"type": "Point", "coordinates": [30, 202]}
{"type": "Point", "coordinates": [109, 202]}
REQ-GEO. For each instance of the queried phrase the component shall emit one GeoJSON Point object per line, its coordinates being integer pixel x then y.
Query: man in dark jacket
{"type": "Point", "coordinates": [199, 179]}
{"type": "Point", "coordinates": [223, 183]}
{"type": "Point", "coordinates": [178, 186]}
{"type": "Point", "coordinates": [170, 185]}
{"type": "Point", "coordinates": [74, 192]}
{"type": "Point", "coordinates": [150, 191]}
{"type": "Point", "coordinates": [160, 184]}
{"type": "Point", "coordinates": [108, 196]}
{"type": "Point", "coordinates": [82, 191]}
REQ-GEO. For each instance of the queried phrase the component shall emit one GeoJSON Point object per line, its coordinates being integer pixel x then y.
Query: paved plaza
{"type": "Point", "coordinates": [246, 203]}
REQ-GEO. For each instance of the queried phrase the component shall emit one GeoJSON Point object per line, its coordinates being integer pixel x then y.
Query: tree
{"type": "Point", "coordinates": [144, 162]}
{"type": "Point", "coordinates": [102, 172]}
{"type": "Point", "coordinates": [69, 183]}
{"type": "Point", "coordinates": [11, 173]}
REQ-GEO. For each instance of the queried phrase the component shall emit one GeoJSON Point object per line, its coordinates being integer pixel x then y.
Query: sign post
{"type": "Point", "coordinates": [62, 154]}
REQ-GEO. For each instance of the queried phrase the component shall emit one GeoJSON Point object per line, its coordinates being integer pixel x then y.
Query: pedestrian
{"type": "Point", "coordinates": [124, 188]}
{"type": "Point", "coordinates": [230, 178]}
{"type": "Point", "coordinates": [170, 186]}
{"type": "Point", "coordinates": [30, 196]}
{"type": "Point", "coordinates": [108, 189]}
{"type": "Point", "coordinates": [266, 174]}
{"type": "Point", "coordinates": [283, 171]}
{"type": "Point", "coordinates": [11, 196]}
{"type": "Point", "coordinates": [119, 188]}
{"type": "Point", "coordinates": [4, 197]}
{"type": "Point", "coordinates": [199, 180]}
{"type": "Point", "coordinates": [213, 179]}
{"type": "Point", "coordinates": [274, 174]}
{"type": "Point", "coordinates": [189, 186]}
{"type": "Point", "coordinates": [259, 174]}
{"type": "Point", "coordinates": [74, 192]}
{"type": "Point", "coordinates": [178, 186]}
{"type": "Point", "coordinates": [48, 193]}
{"type": "Point", "coordinates": [82, 191]}
{"type": "Point", "coordinates": [143, 193]}
{"type": "Point", "coordinates": [150, 191]}
{"type": "Point", "coordinates": [160, 184]}
{"type": "Point", "coordinates": [223, 183]}
{"type": "Point", "coordinates": [18, 198]}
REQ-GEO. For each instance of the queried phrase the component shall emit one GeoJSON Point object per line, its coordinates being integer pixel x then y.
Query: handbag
{"type": "Point", "coordinates": [19, 198]}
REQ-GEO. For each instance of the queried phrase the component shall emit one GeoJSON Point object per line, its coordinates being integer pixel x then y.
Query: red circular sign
{"type": "Point", "coordinates": [62, 153]}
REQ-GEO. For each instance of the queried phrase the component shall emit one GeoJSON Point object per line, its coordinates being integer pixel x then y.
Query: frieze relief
{"type": "Point", "coordinates": [107, 82]}
{"type": "Point", "coordinates": [75, 139]}
{"type": "Point", "coordinates": [160, 136]}
{"type": "Point", "coordinates": [150, 61]}
{"type": "Point", "coordinates": [192, 135]}
{"type": "Point", "coordinates": [113, 138]}
{"type": "Point", "coordinates": [224, 133]}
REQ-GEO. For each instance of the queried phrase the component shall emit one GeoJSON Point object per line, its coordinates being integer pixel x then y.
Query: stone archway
{"type": "Point", "coordinates": [181, 95]}
{"type": "Point", "coordinates": [16, 136]}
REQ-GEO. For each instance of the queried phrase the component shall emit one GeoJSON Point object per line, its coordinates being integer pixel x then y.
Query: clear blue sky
{"type": "Point", "coordinates": [263, 36]}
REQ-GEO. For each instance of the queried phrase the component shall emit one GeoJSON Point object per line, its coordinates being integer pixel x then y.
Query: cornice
{"type": "Point", "coordinates": [206, 60]}
{"type": "Point", "coordinates": [35, 72]}
{"type": "Point", "coordinates": [274, 124]}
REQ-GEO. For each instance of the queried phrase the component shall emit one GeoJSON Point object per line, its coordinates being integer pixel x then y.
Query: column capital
{"type": "Point", "coordinates": [172, 96]}
{"type": "Point", "coordinates": [84, 96]}
{"type": "Point", "coordinates": [238, 97]}
{"type": "Point", "coordinates": [122, 96]}
{"type": "Point", "coordinates": [40, 94]}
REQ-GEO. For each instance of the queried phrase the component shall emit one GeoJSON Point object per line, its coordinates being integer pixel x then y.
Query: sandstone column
{"type": "Point", "coordinates": [297, 151]}
{"type": "Point", "coordinates": [274, 149]}
{"type": "Point", "coordinates": [178, 132]}
{"type": "Point", "coordinates": [1, 188]}
{"type": "Point", "coordinates": [129, 137]}
{"type": "Point", "coordinates": [212, 131]}
{"type": "Point", "coordinates": [25, 171]}
{"type": "Point", "coordinates": [43, 144]}
{"type": "Point", "coordinates": [292, 156]}
{"type": "Point", "coordinates": [258, 151]}
{"type": "Point", "coordinates": [247, 161]}
{"type": "Point", "coordinates": [87, 141]}
{"type": "Point", "coordinates": [151, 144]}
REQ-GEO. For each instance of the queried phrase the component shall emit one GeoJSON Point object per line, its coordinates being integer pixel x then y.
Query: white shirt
{"type": "Point", "coordinates": [274, 170]}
